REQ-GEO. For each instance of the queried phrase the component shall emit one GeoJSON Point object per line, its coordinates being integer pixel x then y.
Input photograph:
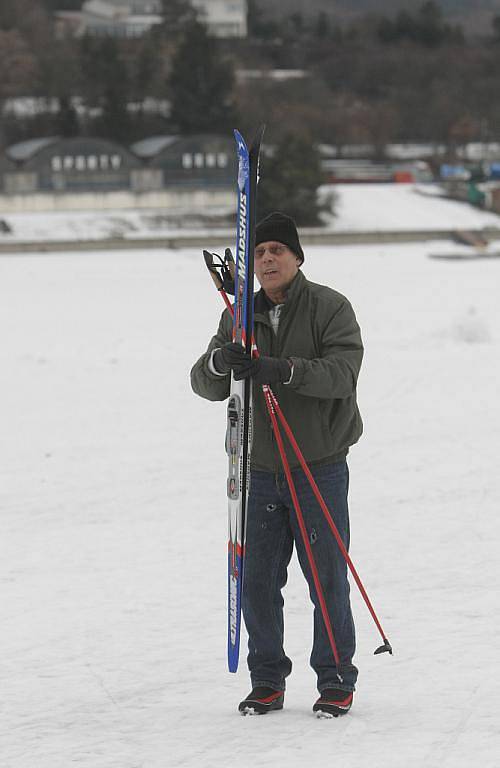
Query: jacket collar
{"type": "Point", "coordinates": [262, 303]}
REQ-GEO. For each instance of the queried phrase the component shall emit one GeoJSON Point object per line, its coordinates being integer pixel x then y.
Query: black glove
{"type": "Point", "coordinates": [266, 370]}
{"type": "Point", "coordinates": [232, 356]}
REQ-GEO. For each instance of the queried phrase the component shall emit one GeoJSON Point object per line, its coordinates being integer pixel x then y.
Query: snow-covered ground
{"type": "Point", "coordinates": [379, 207]}
{"type": "Point", "coordinates": [113, 515]}
{"type": "Point", "coordinates": [359, 207]}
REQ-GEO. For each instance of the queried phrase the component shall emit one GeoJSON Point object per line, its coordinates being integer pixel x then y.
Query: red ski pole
{"type": "Point", "coordinates": [386, 646]}
{"type": "Point", "coordinates": [303, 530]}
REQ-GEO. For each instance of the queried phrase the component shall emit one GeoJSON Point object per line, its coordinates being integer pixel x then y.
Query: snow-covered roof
{"type": "Point", "coordinates": [104, 9]}
{"type": "Point", "coordinates": [152, 146]}
{"type": "Point", "coordinates": [148, 19]}
{"type": "Point", "coordinates": [24, 150]}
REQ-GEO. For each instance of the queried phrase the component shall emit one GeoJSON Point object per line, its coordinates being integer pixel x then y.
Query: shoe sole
{"type": "Point", "coordinates": [255, 709]}
{"type": "Point", "coordinates": [326, 715]}
{"type": "Point", "coordinates": [329, 709]}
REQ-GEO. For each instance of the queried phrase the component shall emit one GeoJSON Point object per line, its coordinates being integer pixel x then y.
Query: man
{"type": "Point", "coordinates": [310, 353]}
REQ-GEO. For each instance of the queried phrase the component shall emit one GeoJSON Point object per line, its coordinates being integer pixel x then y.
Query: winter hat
{"type": "Point", "coordinates": [280, 227]}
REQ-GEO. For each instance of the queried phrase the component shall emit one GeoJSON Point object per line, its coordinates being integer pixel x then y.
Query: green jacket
{"type": "Point", "coordinates": [318, 331]}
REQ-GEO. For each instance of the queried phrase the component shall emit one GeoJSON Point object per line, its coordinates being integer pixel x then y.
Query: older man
{"type": "Point", "coordinates": [310, 352]}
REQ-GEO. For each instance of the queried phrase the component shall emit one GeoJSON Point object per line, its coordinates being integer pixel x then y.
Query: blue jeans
{"type": "Point", "coordinates": [272, 529]}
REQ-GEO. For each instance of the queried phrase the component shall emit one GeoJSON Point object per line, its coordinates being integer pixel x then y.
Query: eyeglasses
{"type": "Point", "coordinates": [274, 250]}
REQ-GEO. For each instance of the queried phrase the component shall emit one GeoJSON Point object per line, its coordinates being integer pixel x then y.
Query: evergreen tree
{"type": "Point", "coordinates": [201, 84]}
{"type": "Point", "coordinates": [495, 22]}
{"type": "Point", "coordinates": [297, 24]}
{"type": "Point", "coordinates": [176, 14]}
{"type": "Point", "coordinates": [67, 119]}
{"type": "Point", "coordinates": [323, 27]}
{"type": "Point", "coordinates": [290, 179]}
{"type": "Point", "coordinates": [259, 25]}
{"type": "Point", "coordinates": [432, 30]}
{"type": "Point", "coordinates": [146, 67]}
{"type": "Point", "coordinates": [107, 85]}
{"type": "Point", "coordinates": [426, 28]}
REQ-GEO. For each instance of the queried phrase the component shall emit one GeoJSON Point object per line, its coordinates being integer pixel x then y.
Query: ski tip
{"type": "Point", "coordinates": [239, 138]}
{"type": "Point", "coordinates": [209, 259]}
{"type": "Point", "coordinates": [256, 140]}
{"type": "Point", "coordinates": [385, 648]}
{"type": "Point", "coordinates": [259, 134]}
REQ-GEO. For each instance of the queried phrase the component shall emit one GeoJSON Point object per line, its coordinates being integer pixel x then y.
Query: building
{"type": "Point", "coordinates": [139, 7]}
{"type": "Point", "coordinates": [223, 18]}
{"type": "Point", "coordinates": [76, 165]}
{"type": "Point", "coordinates": [73, 165]}
{"type": "Point", "coordinates": [198, 161]}
{"type": "Point", "coordinates": [105, 18]}
{"type": "Point", "coordinates": [133, 18]}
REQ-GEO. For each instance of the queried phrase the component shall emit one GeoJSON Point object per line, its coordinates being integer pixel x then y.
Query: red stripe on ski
{"type": "Point", "coordinates": [239, 550]}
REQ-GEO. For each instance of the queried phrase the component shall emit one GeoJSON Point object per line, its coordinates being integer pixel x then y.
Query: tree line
{"type": "Point", "coordinates": [381, 79]}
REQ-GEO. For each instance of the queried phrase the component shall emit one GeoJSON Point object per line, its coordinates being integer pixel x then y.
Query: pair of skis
{"type": "Point", "coordinates": [237, 277]}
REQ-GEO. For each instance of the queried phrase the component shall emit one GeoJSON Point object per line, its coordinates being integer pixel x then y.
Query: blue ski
{"type": "Point", "coordinates": [239, 409]}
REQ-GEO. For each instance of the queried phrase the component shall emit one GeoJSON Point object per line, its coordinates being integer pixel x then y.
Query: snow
{"type": "Point", "coordinates": [359, 208]}
{"type": "Point", "coordinates": [113, 547]}
{"type": "Point", "coordinates": [398, 207]}
{"type": "Point", "coordinates": [77, 226]}
{"type": "Point", "coordinates": [24, 150]}
{"type": "Point", "coordinates": [152, 146]}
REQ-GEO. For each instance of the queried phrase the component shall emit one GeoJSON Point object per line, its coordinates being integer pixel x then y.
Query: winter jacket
{"type": "Point", "coordinates": [319, 333]}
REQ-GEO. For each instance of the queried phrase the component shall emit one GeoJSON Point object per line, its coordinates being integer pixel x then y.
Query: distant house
{"type": "Point", "coordinates": [106, 18]}
{"type": "Point", "coordinates": [223, 18]}
{"type": "Point", "coordinates": [72, 165]}
{"type": "Point", "coordinates": [81, 164]}
{"type": "Point", "coordinates": [133, 18]}
{"type": "Point", "coordinates": [139, 6]}
{"type": "Point", "coordinates": [201, 160]}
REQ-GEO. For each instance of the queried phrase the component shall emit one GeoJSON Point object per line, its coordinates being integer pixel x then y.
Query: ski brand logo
{"type": "Point", "coordinates": [242, 240]}
{"type": "Point", "coordinates": [233, 608]}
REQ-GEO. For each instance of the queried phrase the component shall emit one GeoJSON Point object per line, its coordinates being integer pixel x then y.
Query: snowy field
{"type": "Point", "coordinates": [113, 521]}
{"type": "Point", "coordinates": [359, 208]}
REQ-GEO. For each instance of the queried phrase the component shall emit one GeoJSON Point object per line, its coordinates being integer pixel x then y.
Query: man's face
{"type": "Point", "coordinates": [275, 266]}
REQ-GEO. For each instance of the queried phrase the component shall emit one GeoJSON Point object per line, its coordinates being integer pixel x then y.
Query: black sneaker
{"type": "Point", "coordinates": [261, 700]}
{"type": "Point", "coordinates": [333, 702]}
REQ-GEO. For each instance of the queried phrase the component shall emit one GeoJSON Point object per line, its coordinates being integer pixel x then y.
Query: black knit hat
{"type": "Point", "coordinates": [280, 227]}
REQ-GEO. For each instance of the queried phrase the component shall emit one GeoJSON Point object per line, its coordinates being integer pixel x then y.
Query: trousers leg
{"type": "Point", "coordinates": [333, 483]}
{"type": "Point", "coordinates": [269, 546]}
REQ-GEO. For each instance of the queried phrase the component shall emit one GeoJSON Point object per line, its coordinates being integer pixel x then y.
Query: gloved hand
{"type": "Point", "coordinates": [266, 370]}
{"type": "Point", "coordinates": [232, 356]}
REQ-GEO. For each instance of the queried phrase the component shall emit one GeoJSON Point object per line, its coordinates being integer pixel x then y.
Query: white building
{"type": "Point", "coordinates": [223, 18]}
{"type": "Point", "coordinates": [139, 7]}
{"type": "Point", "coordinates": [101, 18]}
{"type": "Point", "coordinates": [133, 18]}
